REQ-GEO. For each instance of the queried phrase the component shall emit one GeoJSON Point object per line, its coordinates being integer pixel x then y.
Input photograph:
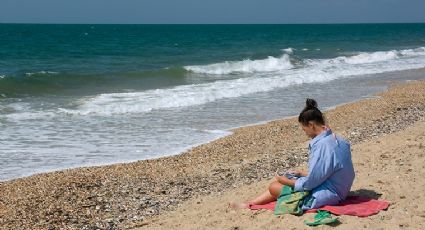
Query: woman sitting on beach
{"type": "Point", "coordinates": [330, 169]}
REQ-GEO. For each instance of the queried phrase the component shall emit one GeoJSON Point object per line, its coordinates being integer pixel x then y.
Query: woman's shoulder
{"type": "Point", "coordinates": [330, 142]}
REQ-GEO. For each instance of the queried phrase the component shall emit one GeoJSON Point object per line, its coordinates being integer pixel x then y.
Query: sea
{"type": "Point", "coordinates": [88, 95]}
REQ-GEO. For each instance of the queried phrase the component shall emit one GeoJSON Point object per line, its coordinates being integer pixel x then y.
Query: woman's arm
{"type": "Point", "coordinates": [285, 181]}
{"type": "Point", "coordinates": [321, 167]}
{"type": "Point", "coordinates": [297, 172]}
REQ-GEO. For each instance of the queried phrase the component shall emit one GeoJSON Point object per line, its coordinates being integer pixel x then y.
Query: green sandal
{"type": "Point", "coordinates": [322, 217]}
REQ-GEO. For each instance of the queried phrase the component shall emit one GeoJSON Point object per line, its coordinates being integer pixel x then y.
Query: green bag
{"type": "Point", "coordinates": [289, 201]}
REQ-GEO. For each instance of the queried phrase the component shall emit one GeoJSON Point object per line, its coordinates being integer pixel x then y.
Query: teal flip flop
{"type": "Point", "coordinates": [322, 217]}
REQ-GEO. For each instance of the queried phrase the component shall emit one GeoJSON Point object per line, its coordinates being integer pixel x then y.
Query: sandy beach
{"type": "Point", "coordinates": [388, 168]}
{"type": "Point", "coordinates": [191, 190]}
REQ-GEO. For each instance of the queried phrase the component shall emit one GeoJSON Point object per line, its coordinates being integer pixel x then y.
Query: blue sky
{"type": "Point", "coordinates": [211, 11]}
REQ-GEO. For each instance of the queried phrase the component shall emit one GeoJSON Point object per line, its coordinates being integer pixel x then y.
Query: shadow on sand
{"type": "Point", "coordinates": [370, 194]}
{"type": "Point", "coordinates": [366, 193]}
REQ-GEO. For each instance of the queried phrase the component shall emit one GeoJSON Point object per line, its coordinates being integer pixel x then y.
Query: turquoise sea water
{"type": "Point", "coordinates": [77, 95]}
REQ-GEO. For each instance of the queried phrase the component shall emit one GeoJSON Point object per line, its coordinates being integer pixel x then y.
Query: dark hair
{"type": "Point", "coordinates": [311, 113]}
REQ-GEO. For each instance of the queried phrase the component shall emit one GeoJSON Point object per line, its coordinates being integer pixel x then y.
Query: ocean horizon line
{"type": "Point", "coordinates": [197, 24]}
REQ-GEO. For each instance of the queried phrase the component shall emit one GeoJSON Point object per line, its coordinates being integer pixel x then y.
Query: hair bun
{"type": "Point", "coordinates": [310, 104]}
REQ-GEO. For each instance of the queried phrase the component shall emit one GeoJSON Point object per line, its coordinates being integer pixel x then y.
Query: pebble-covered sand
{"type": "Point", "coordinates": [128, 195]}
{"type": "Point", "coordinates": [390, 167]}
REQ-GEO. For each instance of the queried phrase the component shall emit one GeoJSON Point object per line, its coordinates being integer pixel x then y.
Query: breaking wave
{"type": "Point", "coordinates": [269, 64]}
{"type": "Point", "coordinates": [272, 77]}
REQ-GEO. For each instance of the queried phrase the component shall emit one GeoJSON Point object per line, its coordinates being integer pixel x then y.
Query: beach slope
{"type": "Point", "coordinates": [192, 190]}
{"type": "Point", "coordinates": [389, 168]}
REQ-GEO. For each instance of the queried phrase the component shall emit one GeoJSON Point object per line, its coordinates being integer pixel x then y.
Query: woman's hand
{"type": "Point", "coordinates": [298, 172]}
{"type": "Point", "coordinates": [278, 177]}
{"type": "Point", "coordinates": [283, 180]}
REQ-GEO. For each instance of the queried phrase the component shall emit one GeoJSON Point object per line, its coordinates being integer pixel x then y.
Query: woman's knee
{"type": "Point", "coordinates": [275, 188]}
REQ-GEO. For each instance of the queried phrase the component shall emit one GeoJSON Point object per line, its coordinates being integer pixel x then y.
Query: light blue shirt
{"type": "Point", "coordinates": [330, 171]}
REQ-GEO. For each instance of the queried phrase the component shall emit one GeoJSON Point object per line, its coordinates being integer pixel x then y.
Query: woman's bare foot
{"type": "Point", "coordinates": [235, 205]}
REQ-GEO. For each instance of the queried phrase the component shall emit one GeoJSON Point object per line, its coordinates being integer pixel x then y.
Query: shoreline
{"type": "Point", "coordinates": [125, 195]}
{"type": "Point", "coordinates": [185, 149]}
{"type": "Point", "coordinates": [226, 132]}
{"type": "Point", "coordinates": [384, 83]}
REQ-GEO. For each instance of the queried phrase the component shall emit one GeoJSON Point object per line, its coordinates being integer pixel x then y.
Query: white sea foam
{"type": "Point", "coordinates": [219, 132]}
{"type": "Point", "coordinates": [29, 115]}
{"type": "Point", "coordinates": [269, 64]}
{"type": "Point", "coordinates": [413, 52]}
{"type": "Point", "coordinates": [383, 56]}
{"type": "Point", "coordinates": [315, 70]}
{"type": "Point", "coordinates": [371, 57]}
{"type": "Point", "coordinates": [29, 74]}
{"type": "Point", "coordinates": [2, 76]}
{"type": "Point", "coordinates": [19, 106]}
{"type": "Point", "coordinates": [18, 111]}
{"type": "Point", "coordinates": [288, 50]}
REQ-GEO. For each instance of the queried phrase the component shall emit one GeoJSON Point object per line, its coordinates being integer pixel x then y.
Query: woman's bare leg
{"type": "Point", "coordinates": [266, 197]}
{"type": "Point", "coordinates": [263, 198]}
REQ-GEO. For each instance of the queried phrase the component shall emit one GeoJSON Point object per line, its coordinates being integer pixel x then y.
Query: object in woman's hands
{"type": "Point", "coordinates": [289, 175]}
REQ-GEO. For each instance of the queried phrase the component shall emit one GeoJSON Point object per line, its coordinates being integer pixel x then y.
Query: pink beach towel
{"type": "Point", "coordinates": [353, 206]}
